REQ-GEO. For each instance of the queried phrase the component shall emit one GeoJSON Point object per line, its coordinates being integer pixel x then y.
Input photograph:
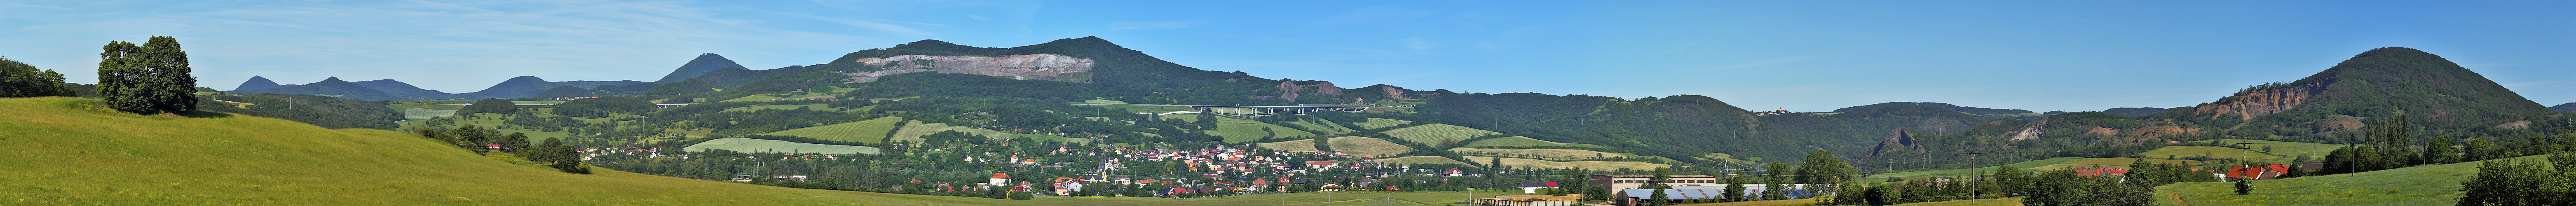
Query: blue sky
{"type": "Point", "coordinates": [1796, 55]}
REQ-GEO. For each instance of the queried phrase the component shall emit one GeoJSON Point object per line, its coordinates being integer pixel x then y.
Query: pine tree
{"type": "Point", "coordinates": [2245, 186]}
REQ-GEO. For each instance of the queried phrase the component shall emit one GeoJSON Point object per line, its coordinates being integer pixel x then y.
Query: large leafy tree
{"type": "Point", "coordinates": [147, 79]}
{"type": "Point", "coordinates": [21, 80]}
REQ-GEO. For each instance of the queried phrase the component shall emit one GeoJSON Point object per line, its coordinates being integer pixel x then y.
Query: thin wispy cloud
{"type": "Point", "coordinates": [1151, 25]}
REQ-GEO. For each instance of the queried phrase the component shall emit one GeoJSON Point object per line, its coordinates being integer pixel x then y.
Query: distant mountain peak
{"type": "Point", "coordinates": [257, 82]}
{"type": "Point", "coordinates": [332, 79]}
{"type": "Point", "coordinates": [706, 62]}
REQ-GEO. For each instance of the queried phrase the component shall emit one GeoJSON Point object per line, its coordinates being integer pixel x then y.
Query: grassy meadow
{"type": "Point", "coordinates": [870, 131]}
{"type": "Point", "coordinates": [1374, 123]}
{"type": "Point", "coordinates": [775, 146]}
{"type": "Point", "coordinates": [2419, 185]}
{"type": "Point", "coordinates": [1520, 141]}
{"type": "Point", "coordinates": [1438, 133]}
{"type": "Point", "coordinates": [58, 154]}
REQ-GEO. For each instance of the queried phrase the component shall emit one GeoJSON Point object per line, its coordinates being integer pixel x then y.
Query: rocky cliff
{"type": "Point", "coordinates": [1897, 141]}
{"type": "Point", "coordinates": [1027, 66]}
{"type": "Point", "coordinates": [2259, 102]}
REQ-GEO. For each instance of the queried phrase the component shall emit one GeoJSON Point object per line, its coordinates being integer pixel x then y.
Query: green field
{"type": "Point", "coordinates": [1419, 160]}
{"type": "Point", "coordinates": [1146, 108]}
{"type": "Point", "coordinates": [871, 131]}
{"type": "Point", "coordinates": [2420, 185]}
{"type": "Point", "coordinates": [1552, 154]}
{"type": "Point", "coordinates": [1050, 138]}
{"type": "Point", "coordinates": [59, 155]}
{"type": "Point", "coordinates": [1328, 130]}
{"type": "Point", "coordinates": [1519, 141]}
{"type": "Point", "coordinates": [1437, 133]}
{"type": "Point", "coordinates": [1588, 165]}
{"type": "Point", "coordinates": [1237, 130]}
{"type": "Point", "coordinates": [418, 113]}
{"type": "Point", "coordinates": [1356, 146]}
{"type": "Point", "coordinates": [747, 145]}
{"type": "Point", "coordinates": [1374, 123]}
{"type": "Point", "coordinates": [2023, 166]}
{"type": "Point", "coordinates": [913, 130]}
{"type": "Point", "coordinates": [2206, 151]}
{"type": "Point", "coordinates": [815, 107]}
{"type": "Point", "coordinates": [2288, 150]}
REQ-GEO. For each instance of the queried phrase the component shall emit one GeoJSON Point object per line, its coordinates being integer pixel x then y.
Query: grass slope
{"type": "Point", "coordinates": [870, 131]}
{"type": "Point", "coordinates": [59, 155]}
{"type": "Point", "coordinates": [1437, 133]}
{"type": "Point", "coordinates": [2207, 151]}
{"type": "Point", "coordinates": [913, 130]}
{"type": "Point", "coordinates": [2023, 166]}
{"type": "Point", "coordinates": [1554, 154]}
{"type": "Point", "coordinates": [1588, 165]}
{"type": "Point", "coordinates": [1374, 123]}
{"type": "Point", "coordinates": [1520, 141]}
{"type": "Point", "coordinates": [2421, 185]}
{"type": "Point", "coordinates": [747, 145]}
{"type": "Point", "coordinates": [1236, 130]}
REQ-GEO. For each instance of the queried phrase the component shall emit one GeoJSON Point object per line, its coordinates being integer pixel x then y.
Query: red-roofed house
{"type": "Point", "coordinates": [2089, 172]}
{"type": "Point", "coordinates": [2264, 172]}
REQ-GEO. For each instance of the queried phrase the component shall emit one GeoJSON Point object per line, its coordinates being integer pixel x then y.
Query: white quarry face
{"type": "Point", "coordinates": [1027, 66]}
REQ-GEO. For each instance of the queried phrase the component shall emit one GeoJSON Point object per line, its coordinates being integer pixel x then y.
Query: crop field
{"type": "Point", "coordinates": [1303, 145]}
{"type": "Point", "coordinates": [871, 131]}
{"type": "Point", "coordinates": [1519, 141]}
{"type": "Point", "coordinates": [1367, 147]}
{"type": "Point", "coordinates": [2206, 151]}
{"type": "Point", "coordinates": [418, 113]}
{"type": "Point", "coordinates": [913, 130]}
{"type": "Point", "coordinates": [2420, 185]}
{"type": "Point", "coordinates": [1437, 133]}
{"type": "Point", "coordinates": [1374, 123]}
{"type": "Point", "coordinates": [748, 145]}
{"type": "Point", "coordinates": [1419, 160]}
{"type": "Point", "coordinates": [1553, 154]}
{"type": "Point", "coordinates": [1312, 126]}
{"type": "Point", "coordinates": [2023, 166]}
{"type": "Point", "coordinates": [815, 107]}
{"type": "Point", "coordinates": [1588, 165]}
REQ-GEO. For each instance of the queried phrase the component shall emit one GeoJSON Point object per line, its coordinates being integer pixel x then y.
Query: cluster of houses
{"type": "Point", "coordinates": [2234, 173]}
{"type": "Point", "coordinates": [1772, 112]}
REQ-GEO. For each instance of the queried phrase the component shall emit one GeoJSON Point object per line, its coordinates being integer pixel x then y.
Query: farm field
{"type": "Point", "coordinates": [1519, 141]}
{"type": "Point", "coordinates": [2420, 185]}
{"type": "Point", "coordinates": [870, 131]}
{"type": "Point", "coordinates": [419, 113]}
{"type": "Point", "coordinates": [815, 107]}
{"type": "Point", "coordinates": [1303, 145]}
{"type": "Point", "coordinates": [1052, 138]}
{"type": "Point", "coordinates": [913, 130]}
{"type": "Point", "coordinates": [60, 155]}
{"type": "Point", "coordinates": [2023, 166]}
{"type": "Point", "coordinates": [1312, 126]}
{"type": "Point", "coordinates": [1437, 133]}
{"type": "Point", "coordinates": [1374, 123]}
{"type": "Point", "coordinates": [2118, 162]}
{"type": "Point", "coordinates": [1552, 154]}
{"type": "Point", "coordinates": [2288, 150]}
{"type": "Point", "coordinates": [1367, 147]}
{"type": "Point", "coordinates": [1419, 160]}
{"type": "Point", "coordinates": [748, 145]}
{"type": "Point", "coordinates": [1589, 165]}
{"type": "Point", "coordinates": [2207, 151]}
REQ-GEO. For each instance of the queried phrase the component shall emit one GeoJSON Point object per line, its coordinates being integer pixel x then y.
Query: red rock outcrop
{"type": "Point", "coordinates": [2260, 102]}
